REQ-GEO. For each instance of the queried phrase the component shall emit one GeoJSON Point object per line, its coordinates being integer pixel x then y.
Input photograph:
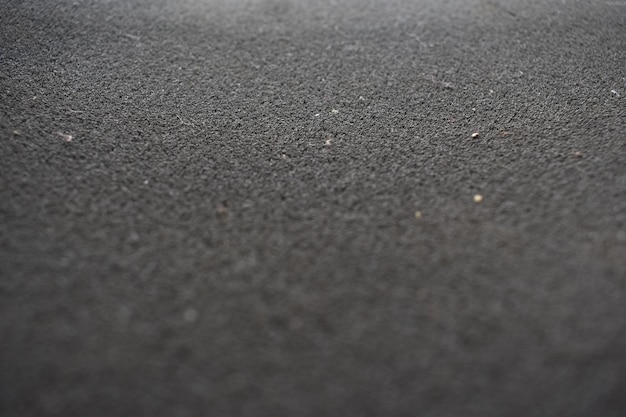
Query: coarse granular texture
{"type": "Point", "coordinates": [269, 208]}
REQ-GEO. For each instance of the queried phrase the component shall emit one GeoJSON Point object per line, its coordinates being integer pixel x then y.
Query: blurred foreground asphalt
{"type": "Point", "coordinates": [271, 208]}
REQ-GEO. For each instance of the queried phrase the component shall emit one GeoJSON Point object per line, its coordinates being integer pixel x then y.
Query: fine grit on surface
{"type": "Point", "coordinates": [320, 208]}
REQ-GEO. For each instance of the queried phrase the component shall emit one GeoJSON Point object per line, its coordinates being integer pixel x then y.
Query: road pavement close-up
{"type": "Point", "coordinates": [313, 208]}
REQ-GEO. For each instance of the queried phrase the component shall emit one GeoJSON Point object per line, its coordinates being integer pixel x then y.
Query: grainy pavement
{"type": "Point", "coordinates": [270, 208]}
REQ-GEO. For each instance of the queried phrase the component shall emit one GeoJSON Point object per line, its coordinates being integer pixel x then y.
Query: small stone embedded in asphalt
{"type": "Point", "coordinates": [65, 137]}
{"type": "Point", "coordinates": [222, 209]}
{"type": "Point", "coordinates": [478, 198]}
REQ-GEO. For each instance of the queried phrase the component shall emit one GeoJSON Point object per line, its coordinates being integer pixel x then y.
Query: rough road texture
{"type": "Point", "coordinates": [231, 228]}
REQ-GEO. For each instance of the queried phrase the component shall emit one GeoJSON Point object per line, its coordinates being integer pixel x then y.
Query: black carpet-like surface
{"type": "Point", "coordinates": [267, 208]}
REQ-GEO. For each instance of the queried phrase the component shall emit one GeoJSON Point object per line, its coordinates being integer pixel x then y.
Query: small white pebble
{"type": "Point", "coordinates": [475, 135]}
{"type": "Point", "coordinates": [478, 198]}
{"type": "Point", "coordinates": [66, 138]}
{"type": "Point", "coordinates": [334, 111]}
{"type": "Point", "coordinates": [418, 215]}
{"type": "Point", "coordinates": [145, 182]}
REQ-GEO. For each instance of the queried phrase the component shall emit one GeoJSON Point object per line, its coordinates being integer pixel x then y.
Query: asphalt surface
{"type": "Point", "coordinates": [267, 208]}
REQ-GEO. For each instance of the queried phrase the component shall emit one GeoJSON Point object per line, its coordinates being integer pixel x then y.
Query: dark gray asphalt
{"type": "Point", "coordinates": [231, 228]}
